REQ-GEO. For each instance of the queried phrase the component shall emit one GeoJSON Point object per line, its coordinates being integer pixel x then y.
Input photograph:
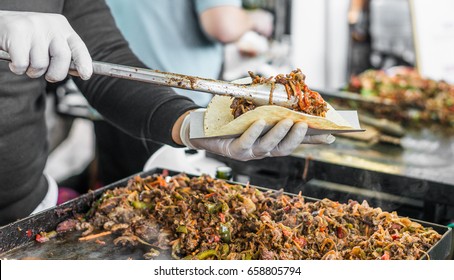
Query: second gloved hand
{"type": "Point", "coordinates": [42, 43]}
{"type": "Point", "coordinates": [280, 140]}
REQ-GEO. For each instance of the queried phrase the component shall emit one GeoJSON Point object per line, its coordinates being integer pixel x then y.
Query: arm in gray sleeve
{"type": "Point", "coordinates": [143, 110]}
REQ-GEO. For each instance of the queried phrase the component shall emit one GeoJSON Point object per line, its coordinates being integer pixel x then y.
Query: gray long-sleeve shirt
{"type": "Point", "coordinates": [142, 110]}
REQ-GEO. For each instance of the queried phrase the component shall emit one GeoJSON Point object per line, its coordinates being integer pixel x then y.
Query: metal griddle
{"type": "Point", "coordinates": [17, 239]}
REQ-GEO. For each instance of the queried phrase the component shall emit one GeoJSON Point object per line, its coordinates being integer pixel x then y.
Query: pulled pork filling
{"type": "Point", "coordinates": [206, 218]}
{"type": "Point", "coordinates": [309, 102]}
{"type": "Point", "coordinates": [408, 89]}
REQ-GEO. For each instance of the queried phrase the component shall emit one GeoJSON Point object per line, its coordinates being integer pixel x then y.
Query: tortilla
{"type": "Point", "coordinates": [219, 121]}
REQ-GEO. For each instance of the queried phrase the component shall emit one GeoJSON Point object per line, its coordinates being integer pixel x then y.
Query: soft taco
{"type": "Point", "coordinates": [232, 116]}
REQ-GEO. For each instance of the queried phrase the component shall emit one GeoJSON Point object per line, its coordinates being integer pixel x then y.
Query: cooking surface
{"type": "Point", "coordinates": [67, 247]}
{"type": "Point", "coordinates": [423, 153]}
{"type": "Point", "coordinates": [15, 243]}
{"type": "Point", "coordinates": [425, 157]}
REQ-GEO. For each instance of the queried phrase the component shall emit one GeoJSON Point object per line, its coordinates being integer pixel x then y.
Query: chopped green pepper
{"type": "Point", "coordinates": [96, 204]}
{"type": "Point", "coordinates": [411, 229]}
{"type": "Point", "coordinates": [178, 196]}
{"type": "Point", "coordinates": [225, 249]}
{"type": "Point", "coordinates": [213, 208]}
{"type": "Point", "coordinates": [139, 205]}
{"type": "Point", "coordinates": [182, 229]}
{"type": "Point", "coordinates": [225, 207]}
{"type": "Point", "coordinates": [247, 203]}
{"type": "Point", "coordinates": [247, 256]}
{"type": "Point", "coordinates": [224, 233]}
{"type": "Point", "coordinates": [207, 254]}
{"type": "Point", "coordinates": [367, 92]}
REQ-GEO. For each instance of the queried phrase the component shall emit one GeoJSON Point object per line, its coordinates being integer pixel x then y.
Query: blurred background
{"type": "Point", "coordinates": [403, 162]}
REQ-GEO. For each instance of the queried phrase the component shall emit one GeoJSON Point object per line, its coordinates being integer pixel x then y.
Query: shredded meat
{"type": "Point", "coordinates": [240, 106]}
{"type": "Point", "coordinates": [206, 218]}
{"type": "Point", "coordinates": [433, 100]}
{"type": "Point", "coordinates": [68, 225]}
{"type": "Point", "coordinates": [147, 229]}
{"type": "Point", "coordinates": [309, 102]}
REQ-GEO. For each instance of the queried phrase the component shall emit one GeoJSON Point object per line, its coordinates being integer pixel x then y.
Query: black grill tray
{"type": "Point", "coordinates": [17, 239]}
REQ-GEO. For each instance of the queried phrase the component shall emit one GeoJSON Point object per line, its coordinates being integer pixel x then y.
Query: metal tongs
{"type": "Point", "coordinates": [259, 94]}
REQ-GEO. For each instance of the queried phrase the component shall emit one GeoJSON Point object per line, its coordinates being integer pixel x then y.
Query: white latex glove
{"type": "Point", "coordinates": [280, 140]}
{"type": "Point", "coordinates": [41, 43]}
{"type": "Point", "coordinates": [263, 22]}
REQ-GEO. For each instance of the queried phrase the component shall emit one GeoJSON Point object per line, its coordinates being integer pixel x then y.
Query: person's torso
{"type": "Point", "coordinates": [23, 145]}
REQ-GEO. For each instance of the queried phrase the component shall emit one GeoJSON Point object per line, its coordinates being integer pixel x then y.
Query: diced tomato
{"type": "Point", "coordinates": [395, 236]}
{"type": "Point", "coordinates": [41, 239]}
{"type": "Point", "coordinates": [210, 195]}
{"type": "Point", "coordinates": [286, 232]}
{"type": "Point", "coordinates": [222, 217]}
{"type": "Point", "coordinates": [385, 256]}
{"type": "Point", "coordinates": [340, 232]}
{"type": "Point", "coordinates": [300, 241]}
{"type": "Point", "coordinates": [355, 82]}
{"type": "Point", "coordinates": [162, 181]}
{"type": "Point", "coordinates": [29, 233]}
{"type": "Point", "coordinates": [214, 238]}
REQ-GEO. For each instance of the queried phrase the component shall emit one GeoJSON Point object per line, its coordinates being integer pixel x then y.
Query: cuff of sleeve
{"type": "Point", "coordinates": [165, 117]}
{"type": "Point", "coordinates": [184, 132]}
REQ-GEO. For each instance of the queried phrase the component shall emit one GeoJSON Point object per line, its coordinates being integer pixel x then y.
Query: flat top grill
{"type": "Point", "coordinates": [422, 151]}
{"type": "Point", "coordinates": [424, 158]}
{"type": "Point", "coordinates": [17, 239]}
{"type": "Point", "coordinates": [67, 247]}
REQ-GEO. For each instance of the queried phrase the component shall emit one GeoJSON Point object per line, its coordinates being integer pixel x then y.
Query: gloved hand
{"type": "Point", "coordinates": [280, 140]}
{"type": "Point", "coordinates": [41, 43]}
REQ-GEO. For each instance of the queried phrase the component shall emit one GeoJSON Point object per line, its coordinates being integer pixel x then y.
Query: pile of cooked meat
{"type": "Point", "coordinates": [419, 100]}
{"type": "Point", "coordinates": [309, 101]}
{"type": "Point", "coordinates": [207, 218]}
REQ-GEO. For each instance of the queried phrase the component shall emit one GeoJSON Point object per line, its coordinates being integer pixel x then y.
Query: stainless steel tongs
{"type": "Point", "coordinates": [259, 94]}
